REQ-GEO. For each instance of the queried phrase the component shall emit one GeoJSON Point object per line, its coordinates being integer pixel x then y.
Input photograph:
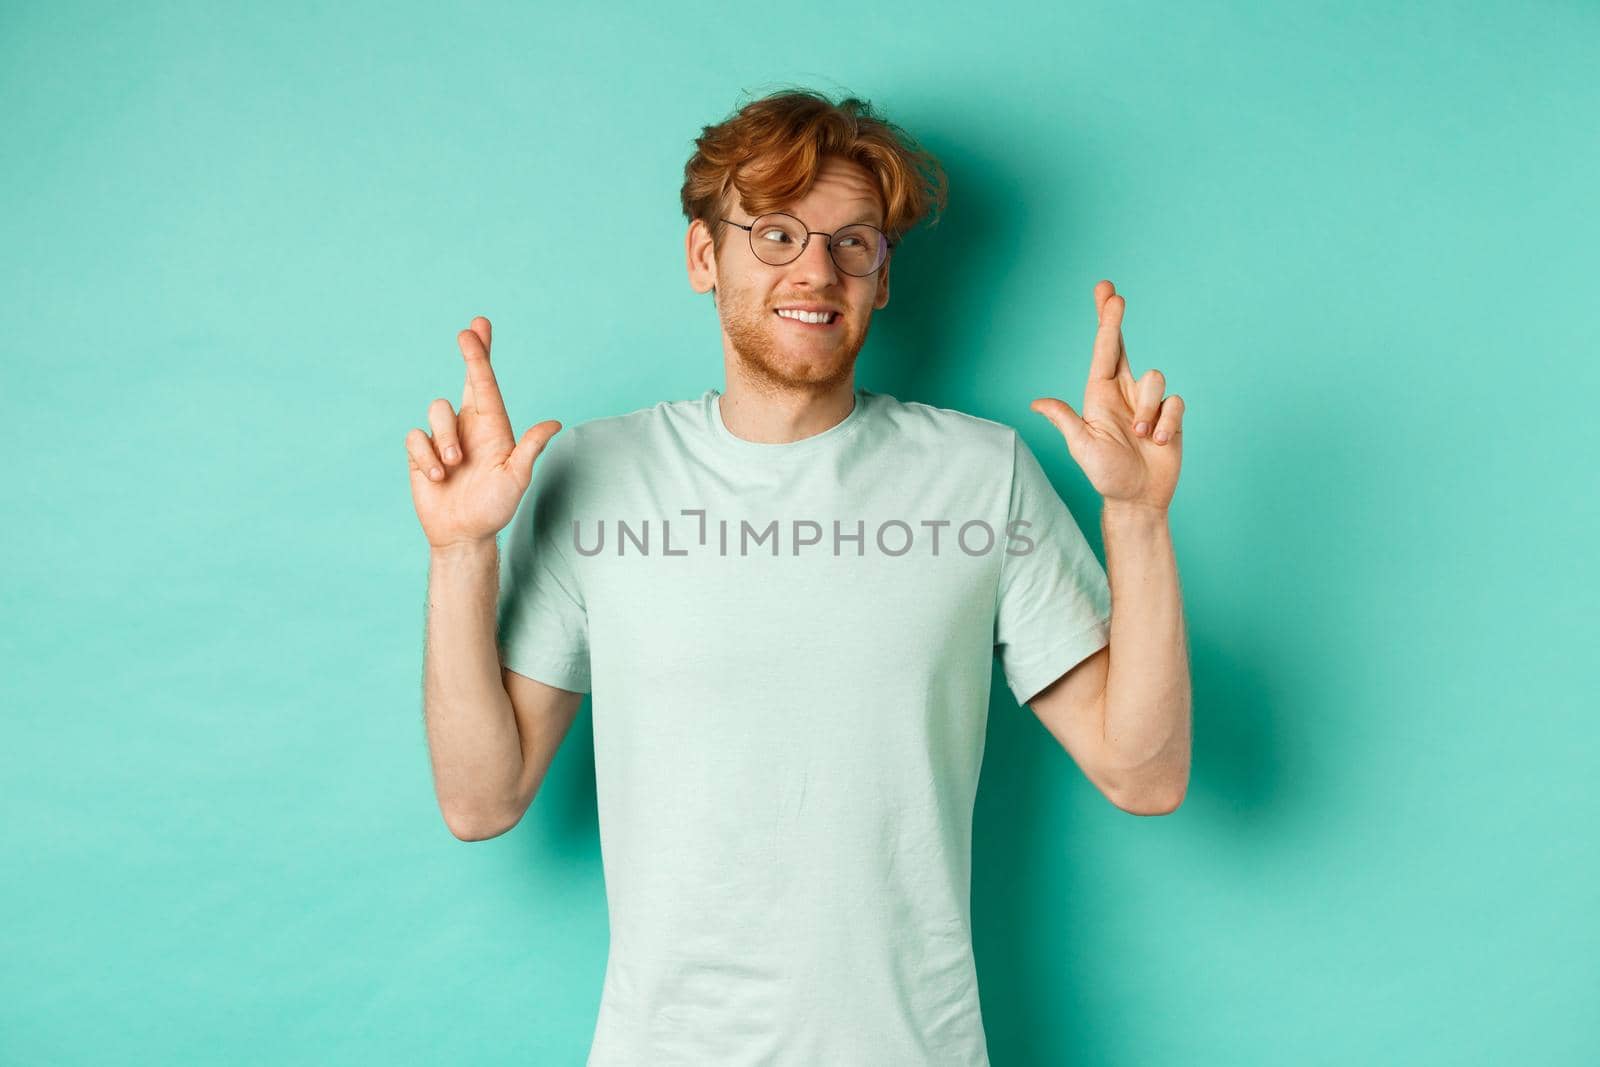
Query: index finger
{"type": "Point", "coordinates": [1103, 292]}
{"type": "Point", "coordinates": [480, 376]}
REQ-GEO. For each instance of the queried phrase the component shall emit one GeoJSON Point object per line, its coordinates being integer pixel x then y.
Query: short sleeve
{"type": "Point", "coordinates": [542, 623]}
{"type": "Point", "coordinates": [1054, 608]}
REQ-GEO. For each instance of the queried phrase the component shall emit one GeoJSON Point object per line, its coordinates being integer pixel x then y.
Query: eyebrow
{"type": "Point", "coordinates": [859, 220]}
{"type": "Point", "coordinates": [866, 218]}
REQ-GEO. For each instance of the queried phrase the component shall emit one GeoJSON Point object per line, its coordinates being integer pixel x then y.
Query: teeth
{"type": "Point", "coordinates": [806, 316]}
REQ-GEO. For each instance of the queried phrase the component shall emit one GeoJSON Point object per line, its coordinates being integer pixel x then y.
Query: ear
{"type": "Point", "coordinates": [700, 253]}
{"type": "Point", "coordinates": [883, 286]}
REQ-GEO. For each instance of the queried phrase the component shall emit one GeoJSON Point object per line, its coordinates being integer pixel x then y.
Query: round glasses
{"type": "Point", "coordinates": [777, 238]}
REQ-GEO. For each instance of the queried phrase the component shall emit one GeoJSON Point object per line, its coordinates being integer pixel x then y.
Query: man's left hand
{"type": "Point", "coordinates": [1126, 465]}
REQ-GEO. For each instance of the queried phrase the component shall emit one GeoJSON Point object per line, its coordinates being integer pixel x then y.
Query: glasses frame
{"type": "Point", "coordinates": [750, 232]}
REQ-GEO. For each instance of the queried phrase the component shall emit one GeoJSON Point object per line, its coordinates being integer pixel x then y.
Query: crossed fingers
{"type": "Point", "coordinates": [1153, 417]}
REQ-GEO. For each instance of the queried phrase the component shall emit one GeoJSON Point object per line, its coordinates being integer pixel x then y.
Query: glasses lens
{"type": "Point", "coordinates": [777, 238]}
{"type": "Point", "coordinates": [859, 250]}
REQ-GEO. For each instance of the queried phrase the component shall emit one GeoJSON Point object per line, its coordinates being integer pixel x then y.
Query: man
{"type": "Point", "coordinates": [785, 598]}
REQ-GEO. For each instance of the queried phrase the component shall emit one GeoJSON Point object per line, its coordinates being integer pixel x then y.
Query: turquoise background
{"type": "Point", "coordinates": [1359, 240]}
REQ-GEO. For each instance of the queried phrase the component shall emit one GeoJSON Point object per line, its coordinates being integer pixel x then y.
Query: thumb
{"type": "Point", "coordinates": [533, 441]}
{"type": "Point", "coordinates": [1063, 418]}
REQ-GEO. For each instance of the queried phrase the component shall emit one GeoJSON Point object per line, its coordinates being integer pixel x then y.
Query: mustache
{"type": "Point", "coordinates": [813, 298]}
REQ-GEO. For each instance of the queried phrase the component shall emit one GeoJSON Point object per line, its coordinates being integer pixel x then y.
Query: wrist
{"type": "Point", "coordinates": [1130, 511]}
{"type": "Point", "coordinates": [458, 551]}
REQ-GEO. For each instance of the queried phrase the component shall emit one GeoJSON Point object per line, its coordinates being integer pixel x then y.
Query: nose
{"type": "Point", "coordinates": [815, 264]}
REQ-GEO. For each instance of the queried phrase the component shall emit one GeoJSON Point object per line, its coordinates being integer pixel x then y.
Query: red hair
{"type": "Point", "coordinates": [770, 151]}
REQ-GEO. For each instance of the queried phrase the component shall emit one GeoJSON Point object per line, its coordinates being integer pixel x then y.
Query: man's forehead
{"type": "Point", "coordinates": [851, 210]}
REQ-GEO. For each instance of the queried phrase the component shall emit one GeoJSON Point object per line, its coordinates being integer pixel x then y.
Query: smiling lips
{"type": "Point", "coordinates": [804, 319]}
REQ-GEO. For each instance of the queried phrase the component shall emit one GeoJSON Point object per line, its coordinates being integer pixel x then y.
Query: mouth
{"type": "Point", "coordinates": [833, 319]}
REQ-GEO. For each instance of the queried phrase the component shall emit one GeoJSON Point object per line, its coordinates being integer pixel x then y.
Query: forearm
{"type": "Point", "coordinates": [1147, 699]}
{"type": "Point", "coordinates": [471, 727]}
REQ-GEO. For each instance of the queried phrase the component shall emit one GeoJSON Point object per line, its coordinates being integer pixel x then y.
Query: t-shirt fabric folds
{"type": "Point", "coordinates": [789, 650]}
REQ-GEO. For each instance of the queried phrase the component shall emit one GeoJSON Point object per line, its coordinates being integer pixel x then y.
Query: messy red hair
{"type": "Point", "coordinates": [770, 151]}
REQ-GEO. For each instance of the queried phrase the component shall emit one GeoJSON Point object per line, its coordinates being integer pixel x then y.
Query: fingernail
{"type": "Point", "coordinates": [1142, 428]}
{"type": "Point", "coordinates": [436, 474]}
{"type": "Point", "coordinates": [451, 452]}
{"type": "Point", "coordinates": [1161, 438]}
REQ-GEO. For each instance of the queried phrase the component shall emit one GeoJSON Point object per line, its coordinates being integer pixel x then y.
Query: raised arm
{"type": "Point", "coordinates": [491, 734]}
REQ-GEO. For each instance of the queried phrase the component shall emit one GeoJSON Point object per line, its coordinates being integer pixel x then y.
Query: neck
{"type": "Point", "coordinates": [773, 415]}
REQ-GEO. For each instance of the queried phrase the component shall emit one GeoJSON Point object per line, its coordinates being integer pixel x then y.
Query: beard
{"type": "Point", "coordinates": [779, 358]}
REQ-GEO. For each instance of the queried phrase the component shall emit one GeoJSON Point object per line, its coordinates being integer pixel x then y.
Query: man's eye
{"type": "Point", "coordinates": [847, 240]}
{"type": "Point", "coordinates": [779, 234]}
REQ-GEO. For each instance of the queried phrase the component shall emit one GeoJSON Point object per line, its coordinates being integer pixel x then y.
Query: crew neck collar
{"type": "Point", "coordinates": [784, 449]}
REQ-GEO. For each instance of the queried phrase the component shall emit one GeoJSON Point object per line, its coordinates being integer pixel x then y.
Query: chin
{"type": "Point", "coordinates": [789, 369]}
{"type": "Point", "coordinates": [789, 362]}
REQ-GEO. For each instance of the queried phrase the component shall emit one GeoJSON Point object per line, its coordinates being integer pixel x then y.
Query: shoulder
{"type": "Point", "coordinates": [600, 447]}
{"type": "Point", "coordinates": [634, 429]}
{"type": "Point", "coordinates": [954, 434]}
{"type": "Point", "coordinates": [628, 426]}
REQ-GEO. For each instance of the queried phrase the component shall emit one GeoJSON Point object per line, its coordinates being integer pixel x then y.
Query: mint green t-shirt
{"type": "Point", "coordinates": [789, 650]}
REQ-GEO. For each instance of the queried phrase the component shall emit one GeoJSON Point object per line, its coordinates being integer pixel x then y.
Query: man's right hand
{"type": "Point", "coordinates": [469, 476]}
